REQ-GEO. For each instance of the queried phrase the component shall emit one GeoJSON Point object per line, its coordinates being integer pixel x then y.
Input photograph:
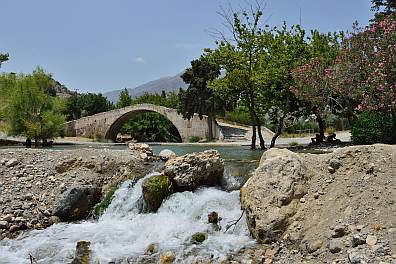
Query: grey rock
{"type": "Point", "coordinates": [335, 246]}
{"type": "Point", "coordinates": [3, 224]}
{"type": "Point", "coordinates": [167, 154]}
{"type": "Point", "coordinates": [355, 257]}
{"type": "Point", "coordinates": [314, 245]}
{"type": "Point", "coordinates": [339, 231]}
{"type": "Point", "coordinates": [335, 163]}
{"type": "Point", "coordinates": [191, 171]}
{"type": "Point", "coordinates": [357, 240]}
{"type": "Point", "coordinates": [267, 208]}
{"type": "Point", "coordinates": [76, 203]}
{"type": "Point", "coordinates": [12, 162]}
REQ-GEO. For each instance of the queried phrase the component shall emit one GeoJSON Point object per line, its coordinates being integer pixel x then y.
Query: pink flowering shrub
{"type": "Point", "coordinates": [362, 77]}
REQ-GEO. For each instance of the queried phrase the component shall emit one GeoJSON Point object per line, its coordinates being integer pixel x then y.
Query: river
{"type": "Point", "coordinates": [122, 234]}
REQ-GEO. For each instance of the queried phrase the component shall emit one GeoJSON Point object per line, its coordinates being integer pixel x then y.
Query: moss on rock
{"type": "Point", "coordinates": [198, 237]}
{"type": "Point", "coordinates": [155, 190]}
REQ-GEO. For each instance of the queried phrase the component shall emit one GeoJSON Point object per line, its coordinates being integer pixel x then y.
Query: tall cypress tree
{"type": "Point", "coordinates": [199, 98]}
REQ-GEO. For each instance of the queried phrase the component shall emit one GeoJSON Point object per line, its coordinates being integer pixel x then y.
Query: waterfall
{"type": "Point", "coordinates": [122, 232]}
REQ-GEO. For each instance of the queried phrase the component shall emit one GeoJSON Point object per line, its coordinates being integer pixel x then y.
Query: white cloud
{"type": "Point", "coordinates": [140, 60]}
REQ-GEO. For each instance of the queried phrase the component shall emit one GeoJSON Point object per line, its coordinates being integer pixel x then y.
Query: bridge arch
{"type": "Point", "coordinates": [114, 128]}
{"type": "Point", "coordinates": [107, 124]}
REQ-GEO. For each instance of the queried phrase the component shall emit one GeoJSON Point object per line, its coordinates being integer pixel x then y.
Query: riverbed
{"type": "Point", "coordinates": [122, 234]}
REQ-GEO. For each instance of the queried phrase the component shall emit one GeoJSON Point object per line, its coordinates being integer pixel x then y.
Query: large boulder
{"type": "Point", "coordinates": [191, 171]}
{"type": "Point", "coordinates": [167, 154]}
{"type": "Point", "coordinates": [76, 203]}
{"type": "Point", "coordinates": [272, 195]}
{"type": "Point", "coordinates": [156, 189]}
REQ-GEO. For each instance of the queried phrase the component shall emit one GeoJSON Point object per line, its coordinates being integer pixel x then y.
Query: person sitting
{"type": "Point", "coordinates": [318, 139]}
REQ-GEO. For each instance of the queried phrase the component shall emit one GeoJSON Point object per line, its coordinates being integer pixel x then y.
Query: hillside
{"type": "Point", "coordinates": [166, 84]}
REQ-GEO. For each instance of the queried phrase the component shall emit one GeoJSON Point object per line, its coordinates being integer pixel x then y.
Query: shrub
{"type": "Point", "coordinates": [374, 127]}
{"type": "Point", "coordinates": [195, 139]}
{"type": "Point", "coordinates": [330, 130]}
{"type": "Point", "coordinates": [293, 144]}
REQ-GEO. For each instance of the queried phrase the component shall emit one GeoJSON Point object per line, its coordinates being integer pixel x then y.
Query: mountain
{"type": "Point", "coordinates": [167, 84]}
{"type": "Point", "coordinates": [61, 90]}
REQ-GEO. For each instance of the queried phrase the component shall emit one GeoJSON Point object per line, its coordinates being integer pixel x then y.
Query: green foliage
{"type": "Point", "coordinates": [124, 99]}
{"type": "Point", "coordinates": [166, 99]}
{"type": "Point", "coordinates": [3, 58]}
{"type": "Point", "coordinates": [294, 144]}
{"type": "Point", "coordinates": [86, 105]}
{"type": "Point", "coordinates": [151, 127]}
{"type": "Point", "coordinates": [374, 127]}
{"type": "Point", "coordinates": [198, 98]}
{"type": "Point", "coordinates": [104, 204]}
{"type": "Point", "coordinates": [194, 139]}
{"type": "Point", "coordinates": [30, 110]}
{"type": "Point", "coordinates": [239, 115]}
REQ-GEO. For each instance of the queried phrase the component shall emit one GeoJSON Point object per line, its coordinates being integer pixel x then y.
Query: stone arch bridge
{"type": "Point", "coordinates": [108, 124]}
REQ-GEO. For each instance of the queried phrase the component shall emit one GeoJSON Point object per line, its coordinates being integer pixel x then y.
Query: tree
{"type": "Point", "coordinates": [239, 57]}
{"type": "Point", "coordinates": [124, 99]}
{"type": "Point", "coordinates": [86, 105]}
{"type": "Point", "coordinates": [388, 6]}
{"type": "Point", "coordinates": [311, 80]}
{"type": "Point", "coordinates": [198, 98]}
{"type": "Point", "coordinates": [3, 58]}
{"type": "Point", "coordinates": [31, 111]}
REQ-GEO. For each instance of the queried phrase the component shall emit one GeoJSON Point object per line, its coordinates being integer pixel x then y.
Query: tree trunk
{"type": "Point", "coordinates": [210, 127]}
{"type": "Point", "coordinates": [278, 131]}
{"type": "Point", "coordinates": [253, 145]}
{"type": "Point", "coordinates": [321, 123]}
{"type": "Point", "coordinates": [262, 142]}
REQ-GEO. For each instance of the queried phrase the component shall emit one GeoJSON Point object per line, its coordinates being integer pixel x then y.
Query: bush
{"type": "Point", "coordinates": [374, 127]}
{"type": "Point", "coordinates": [195, 139]}
{"type": "Point", "coordinates": [330, 130]}
{"type": "Point", "coordinates": [293, 144]}
{"type": "Point", "coordinates": [239, 115]}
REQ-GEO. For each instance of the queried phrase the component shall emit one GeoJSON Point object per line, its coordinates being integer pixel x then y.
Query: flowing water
{"type": "Point", "coordinates": [123, 234]}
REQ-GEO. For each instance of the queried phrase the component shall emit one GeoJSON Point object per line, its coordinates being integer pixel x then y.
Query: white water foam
{"type": "Point", "coordinates": [122, 232]}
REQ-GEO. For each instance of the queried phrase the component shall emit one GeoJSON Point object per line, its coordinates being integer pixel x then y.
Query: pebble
{"type": "Point", "coordinates": [356, 257]}
{"type": "Point", "coordinates": [313, 246]}
{"type": "Point", "coordinates": [11, 163]}
{"type": "Point", "coordinates": [3, 224]}
{"type": "Point", "coordinates": [14, 228]}
{"type": "Point", "coordinates": [357, 240]}
{"type": "Point", "coordinates": [339, 231]}
{"type": "Point", "coordinates": [371, 240]}
{"type": "Point", "coordinates": [335, 246]}
{"type": "Point", "coordinates": [335, 163]}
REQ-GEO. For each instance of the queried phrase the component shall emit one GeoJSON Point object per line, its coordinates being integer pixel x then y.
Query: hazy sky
{"type": "Point", "coordinates": [103, 45]}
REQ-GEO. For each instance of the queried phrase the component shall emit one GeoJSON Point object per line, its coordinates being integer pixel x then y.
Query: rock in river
{"type": "Point", "coordinates": [191, 171]}
{"type": "Point", "coordinates": [76, 203]}
{"type": "Point", "coordinates": [167, 154]}
{"type": "Point", "coordinates": [155, 190]}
